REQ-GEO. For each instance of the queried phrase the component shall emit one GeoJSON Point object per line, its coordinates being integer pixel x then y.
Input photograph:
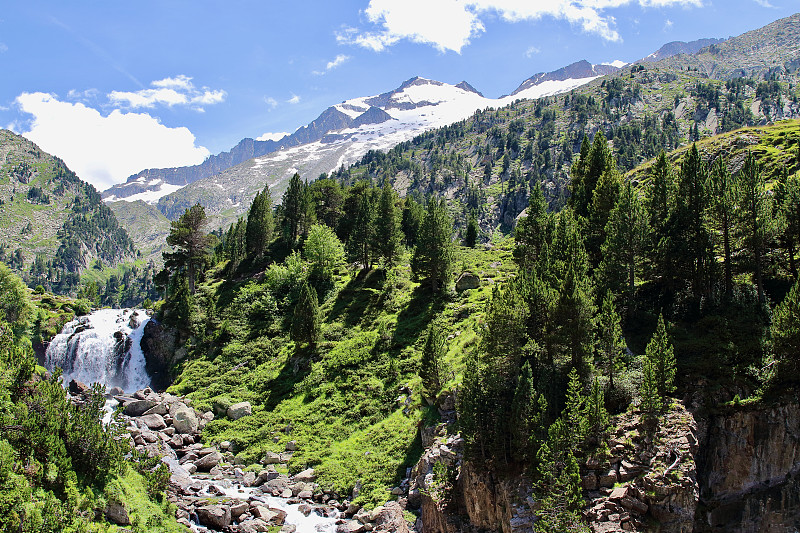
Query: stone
{"type": "Point", "coordinates": [589, 481]}
{"type": "Point", "coordinates": [306, 476]}
{"type": "Point", "coordinates": [633, 504]}
{"type": "Point", "coordinates": [78, 387]}
{"type": "Point", "coordinates": [138, 407]}
{"type": "Point", "coordinates": [216, 516]}
{"type": "Point", "coordinates": [238, 410]}
{"type": "Point", "coordinates": [184, 420]}
{"type": "Point", "coordinates": [264, 513]}
{"type": "Point", "coordinates": [467, 280]}
{"type": "Point", "coordinates": [288, 528]}
{"type": "Point", "coordinates": [291, 446]}
{"type": "Point", "coordinates": [271, 458]}
{"type": "Point", "coordinates": [351, 526]}
{"type": "Point", "coordinates": [253, 525]}
{"type": "Point", "coordinates": [305, 494]}
{"type": "Point", "coordinates": [114, 391]}
{"type": "Point", "coordinates": [209, 461]}
{"type": "Point", "coordinates": [154, 422]}
{"type": "Point", "coordinates": [609, 479]}
{"type": "Point", "coordinates": [157, 409]}
{"type": "Point", "coordinates": [238, 509]}
{"type": "Point", "coordinates": [116, 513]}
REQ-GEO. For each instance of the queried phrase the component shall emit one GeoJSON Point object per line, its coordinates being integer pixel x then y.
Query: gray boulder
{"type": "Point", "coordinates": [467, 280]}
{"type": "Point", "coordinates": [138, 407]}
{"type": "Point", "coordinates": [238, 410]}
{"type": "Point", "coordinates": [154, 422]}
{"type": "Point", "coordinates": [184, 420]}
{"type": "Point", "coordinates": [215, 516]}
{"type": "Point", "coordinates": [116, 513]}
{"type": "Point", "coordinates": [207, 462]}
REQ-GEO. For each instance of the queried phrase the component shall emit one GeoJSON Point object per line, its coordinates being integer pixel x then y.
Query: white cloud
{"type": "Point", "coordinates": [105, 150]}
{"type": "Point", "coordinates": [3, 48]}
{"type": "Point", "coordinates": [273, 136]}
{"type": "Point", "coordinates": [668, 25]}
{"type": "Point", "coordinates": [337, 61]}
{"type": "Point", "coordinates": [169, 92]}
{"type": "Point", "coordinates": [403, 20]}
{"type": "Point", "coordinates": [532, 51]}
{"type": "Point", "coordinates": [763, 3]}
{"type": "Point", "coordinates": [294, 99]}
{"type": "Point", "coordinates": [271, 102]}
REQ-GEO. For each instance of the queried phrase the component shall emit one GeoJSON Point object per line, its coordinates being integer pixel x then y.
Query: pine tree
{"type": "Point", "coordinates": [651, 401]}
{"type": "Point", "coordinates": [433, 353]}
{"type": "Point", "coordinates": [530, 233]}
{"type": "Point", "coordinates": [236, 244]}
{"type": "Point", "coordinates": [191, 244]}
{"type": "Point", "coordinates": [259, 224]}
{"type": "Point", "coordinates": [574, 318]}
{"type": "Point", "coordinates": [604, 200]}
{"type": "Point", "coordinates": [413, 215]}
{"type": "Point", "coordinates": [755, 206]}
{"type": "Point", "coordinates": [387, 227]}
{"type": "Point", "coordinates": [626, 240]}
{"type": "Point", "coordinates": [360, 245]}
{"type": "Point", "coordinates": [661, 353]}
{"type": "Point", "coordinates": [574, 415]}
{"type": "Point", "coordinates": [722, 210]}
{"type": "Point", "coordinates": [292, 210]}
{"type": "Point", "coordinates": [434, 254]}
{"type": "Point", "coordinates": [610, 344]}
{"type": "Point", "coordinates": [528, 410]}
{"type": "Point", "coordinates": [786, 335]}
{"type": "Point", "coordinates": [787, 195]}
{"type": "Point", "coordinates": [471, 237]}
{"type": "Point", "coordinates": [505, 335]}
{"type": "Point", "coordinates": [596, 415]}
{"type": "Point", "coordinates": [660, 193]}
{"type": "Point", "coordinates": [306, 319]}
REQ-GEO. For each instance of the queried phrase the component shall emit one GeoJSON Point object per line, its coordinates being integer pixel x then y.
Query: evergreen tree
{"type": "Point", "coordinates": [259, 224]}
{"type": "Point", "coordinates": [192, 246]}
{"type": "Point", "coordinates": [471, 237]}
{"type": "Point", "coordinates": [722, 210]}
{"type": "Point", "coordinates": [661, 353]}
{"type": "Point", "coordinates": [434, 254]}
{"type": "Point", "coordinates": [574, 414]}
{"type": "Point", "coordinates": [528, 410]}
{"type": "Point", "coordinates": [610, 344]}
{"type": "Point", "coordinates": [328, 201]}
{"type": "Point", "coordinates": [596, 415]}
{"type": "Point", "coordinates": [505, 335]}
{"type": "Point", "coordinates": [530, 233]}
{"type": "Point", "coordinates": [433, 353]}
{"type": "Point", "coordinates": [574, 318]}
{"type": "Point", "coordinates": [660, 193]}
{"type": "Point", "coordinates": [604, 200]}
{"type": "Point", "coordinates": [787, 195]}
{"type": "Point", "coordinates": [236, 244]}
{"type": "Point", "coordinates": [387, 227]}
{"type": "Point", "coordinates": [756, 212]}
{"type": "Point", "coordinates": [786, 335]}
{"type": "Point", "coordinates": [292, 205]}
{"type": "Point", "coordinates": [362, 237]}
{"type": "Point", "coordinates": [306, 319]}
{"type": "Point", "coordinates": [625, 244]}
{"type": "Point", "coordinates": [651, 401]}
{"type": "Point", "coordinates": [413, 215]}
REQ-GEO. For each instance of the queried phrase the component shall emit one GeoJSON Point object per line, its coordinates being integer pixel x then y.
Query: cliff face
{"type": "Point", "coordinates": [749, 471]}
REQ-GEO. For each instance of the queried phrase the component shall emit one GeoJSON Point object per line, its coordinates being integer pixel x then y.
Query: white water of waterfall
{"type": "Point", "coordinates": [102, 347]}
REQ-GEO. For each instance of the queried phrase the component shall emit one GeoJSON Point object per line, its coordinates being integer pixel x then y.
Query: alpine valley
{"type": "Point", "coordinates": [573, 308]}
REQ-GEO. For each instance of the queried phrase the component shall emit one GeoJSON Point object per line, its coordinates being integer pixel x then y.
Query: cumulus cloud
{"type": "Point", "coordinates": [271, 102]}
{"type": "Point", "coordinates": [402, 20]}
{"type": "Point", "coordinates": [168, 92]}
{"type": "Point", "coordinates": [294, 99]}
{"type": "Point", "coordinates": [105, 150]}
{"type": "Point", "coordinates": [273, 136]}
{"type": "Point", "coordinates": [335, 62]}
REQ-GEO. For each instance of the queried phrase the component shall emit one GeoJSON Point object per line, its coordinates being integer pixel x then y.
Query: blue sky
{"type": "Point", "coordinates": [114, 87]}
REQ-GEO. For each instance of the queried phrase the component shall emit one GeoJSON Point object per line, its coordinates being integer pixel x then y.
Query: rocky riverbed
{"type": "Point", "coordinates": [214, 493]}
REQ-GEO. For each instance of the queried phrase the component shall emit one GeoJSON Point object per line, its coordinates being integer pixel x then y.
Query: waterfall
{"type": "Point", "coordinates": [102, 347]}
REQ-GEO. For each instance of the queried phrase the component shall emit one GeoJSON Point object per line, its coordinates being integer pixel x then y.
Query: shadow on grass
{"type": "Point", "coordinates": [360, 298]}
{"type": "Point", "coordinates": [414, 319]}
{"type": "Point", "coordinates": [281, 387]}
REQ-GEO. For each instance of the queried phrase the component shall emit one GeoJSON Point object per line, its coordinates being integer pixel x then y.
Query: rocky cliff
{"type": "Point", "coordinates": [749, 471]}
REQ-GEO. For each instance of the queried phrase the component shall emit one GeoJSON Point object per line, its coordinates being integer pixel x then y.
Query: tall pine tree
{"type": "Point", "coordinates": [259, 224]}
{"type": "Point", "coordinates": [433, 257]}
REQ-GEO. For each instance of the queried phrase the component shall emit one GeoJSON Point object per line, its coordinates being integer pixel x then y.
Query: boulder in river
{"type": "Point", "coordinates": [154, 422]}
{"type": "Point", "coordinates": [184, 420]}
{"type": "Point", "coordinates": [138, 407]}
{"type": "Point", "coordinates": [207, 462]}
{"type": "Point", "coordinates": [76, 387]}
{"type": "Point", "coordinates": [215, 516]}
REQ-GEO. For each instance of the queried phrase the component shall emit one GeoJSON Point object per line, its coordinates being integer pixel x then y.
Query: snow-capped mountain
{"type": "Point", "coordinates": [344, 132]}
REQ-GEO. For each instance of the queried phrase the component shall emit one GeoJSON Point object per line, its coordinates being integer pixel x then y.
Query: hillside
{"type": "Point", "coordinates": [146, 226]}
{"type": "Point", "coordinates": [52, 224]}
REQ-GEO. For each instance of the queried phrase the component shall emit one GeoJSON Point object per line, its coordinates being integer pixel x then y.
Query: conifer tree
{"type": "Point", "coordinates": [604, 200]}
{"type": "Point", "coordinates": [191, 244]}
{"type": "Point", "coordinates": [362, 237]}
{"type": "Point", "coordinates": [387, 227]}
{"type": "Point", "coordinates": [505, 335]}
{"type": "Point", "coordinates": [659, 194]}
{"type": "Point", "coordinates": [530, 233]}
{"type": "Point", "coordinates": [661, 353]}
{"type": "Point", "coordinates": [786, 335]}
{"type": "Point", "coordinates": [306, 319]}
{"type": "Point", "coordinates": [292, 210]}
{"type": "Point", "coordinates": [574, 318]}
{"type": "Point", "coordinates": [596, 415]}
{"type": "Point", "coordinates": [433, 353]}
{"type": "Point", "coordinates": [236, 245]}
{"type": "Point", "coordinates": [528, 410]}
{"type": "Point", "coordinates": [259, 224]}
{"type": "Point", "coordinates": [610, 344]}
{"type": "Point", "coordinates": [787, 195]}
{"type": "Point", "coordinates": [413, 215]}
{"type": "Point", "coordinates": [755, 206]}
{"type": "Point", "coordinates": [651, 401]}
{"type": "Point", "coordinates": [434, 254]}
{"type": "Point", "coordinates": [625, 244]}
{"type": "Point", "coordinates": [722, 210]}
{"type": "Point", "coordinates": [471, 237]}
{"type": "Point", "coordinates": [574, 414]}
